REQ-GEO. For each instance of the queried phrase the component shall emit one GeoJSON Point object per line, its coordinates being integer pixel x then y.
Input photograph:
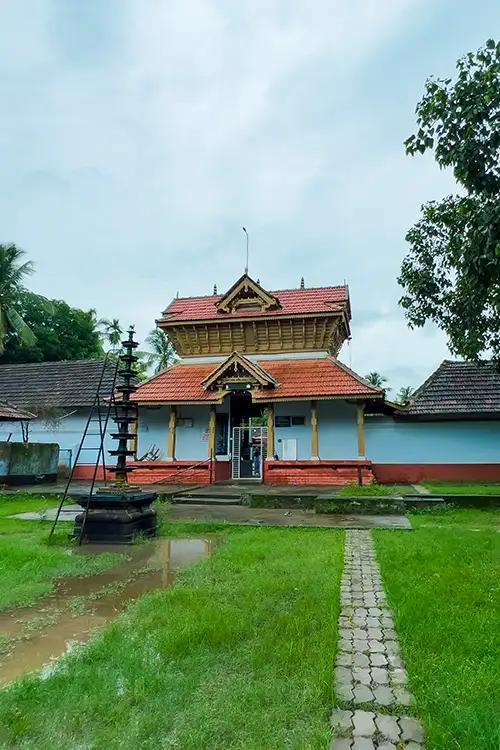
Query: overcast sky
{"type": "Point", "coordinates": [138, 136]}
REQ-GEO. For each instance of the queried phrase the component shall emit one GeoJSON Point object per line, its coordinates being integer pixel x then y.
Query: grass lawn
{"type": "Point", "coordinates": [443, 583]}
{"type": "Point", "coordinates": [28, 565]}
{"type": "Point", "coordinates": [462, 488]}
{"type": "Point", "coordinates": [367, 490]}
{"type": "Point", "coordinates": [238, 654]}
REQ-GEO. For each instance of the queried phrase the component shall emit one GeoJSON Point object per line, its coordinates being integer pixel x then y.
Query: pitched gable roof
{"type": "Point", "coordinates": [236, 360]}
{"type": "Point", "coordinates": [458, 389]}
{"type": "Point", "coordinates": [246, 290]}
{"type": "Point", "coordinates": [296, 379]}
{"type": "Point", "coordinates": [9, 414]}
{"type": "Point", "coordinates": [311, 301]}
{"type": "Point", "coordinates": [67, 384]}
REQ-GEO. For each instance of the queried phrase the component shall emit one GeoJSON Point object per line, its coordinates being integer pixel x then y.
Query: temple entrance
{"type": "Point", "coordinates": [249, 452]}
{"type": "Point", "coordinates": [248, 437]}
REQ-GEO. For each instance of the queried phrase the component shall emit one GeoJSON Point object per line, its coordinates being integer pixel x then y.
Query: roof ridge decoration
{"type": "Point", "coordinates": [247, 294]}
{"type": "Point", "coordinates": [234, 368]}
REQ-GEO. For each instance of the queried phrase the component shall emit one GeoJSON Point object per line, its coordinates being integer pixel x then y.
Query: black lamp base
{"type": "Point", "coordinates": [116, 517]}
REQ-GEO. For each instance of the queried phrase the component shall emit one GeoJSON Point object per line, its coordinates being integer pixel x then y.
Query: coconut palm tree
{"type": "Point", "coordinates": [376, 379]}
{"type": "Point", "coordinates": [12, 272]}
{"type": "Point", "coordinates": [163, 353]}
{"type": "Point", "coordinates": [111, 331]}
{"type": "Point", "coordinates": [404, 394]}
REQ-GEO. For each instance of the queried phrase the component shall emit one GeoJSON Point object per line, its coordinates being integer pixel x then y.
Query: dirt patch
{"type": "Point", "coordinates": [31, 637]}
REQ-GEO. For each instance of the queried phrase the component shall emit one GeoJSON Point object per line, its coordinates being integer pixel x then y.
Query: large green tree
{"type": "Point", "coordinates": [451, 275]}
{"type": "Point", "coordinates": [13, 270]}
{"type": "Point", "coordinates": [60, 332]}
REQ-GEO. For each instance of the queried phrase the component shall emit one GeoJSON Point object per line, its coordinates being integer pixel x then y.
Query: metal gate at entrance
{"type": "Point", "coordinates": [249, 452]}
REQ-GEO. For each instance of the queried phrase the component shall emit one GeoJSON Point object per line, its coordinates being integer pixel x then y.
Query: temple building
{"type": "Point", "coordinates": [258, 392]}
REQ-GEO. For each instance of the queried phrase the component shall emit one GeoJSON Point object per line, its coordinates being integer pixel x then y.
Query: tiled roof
{"type": "Point", "coordinates": [292, 301]}
{"type": "Point", "coordinates": [296, 378]}
{"type": "Point", "coordinates": [179, 383]}
{"type": "Point", "coordinates": [54, 384]}
{"type": "Point", "coordinates": [458, 388]}
{"type": "Point", "coordinates": [9, 413]}
{"type": "Point", "coordinates": [315, 378]}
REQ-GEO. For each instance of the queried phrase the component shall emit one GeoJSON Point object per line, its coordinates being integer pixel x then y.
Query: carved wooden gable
{"type": "Point", "coordinates": [238, 371]}
{"type": "Point", "coordinates": [246, 294]}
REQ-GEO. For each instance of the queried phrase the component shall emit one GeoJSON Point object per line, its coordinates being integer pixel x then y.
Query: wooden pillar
{"type": "Point", "coordinates": [314, 431]}
{"type": "Point", "coordinates": [361, 430]}
{"type": "Point", "coordinates": [172, 420]}
{"type": "Point", "coordinates": [211, 432]}
{"type": "Point", "coordinates": [270, 432]}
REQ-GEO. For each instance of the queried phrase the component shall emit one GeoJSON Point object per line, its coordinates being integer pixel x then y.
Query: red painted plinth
{"type": "Point", "coordinates": [445, 472]}
{"type": "Point", "coordinates": [317, 472]}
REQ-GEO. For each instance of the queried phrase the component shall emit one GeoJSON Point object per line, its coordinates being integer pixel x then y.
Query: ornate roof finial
{"type": "Point", "coordinates": [215, 289]}
{"type": "Point", "coordinates": [302, 284]}
{"type": "Point", "coordinates": [258, 281]}
{"type": "Point", "coordinates": [177, 295]}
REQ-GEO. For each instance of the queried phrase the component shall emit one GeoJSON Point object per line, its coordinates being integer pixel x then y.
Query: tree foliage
{"type": "Point", "coordinates": [404, 394]}
{"type": "Point", "coordinates": [376, 379]}
{"type": "Point", "coordinates": [13, 270]}
{"type": "Point", "coordinates": [163, 353]}
{"type": "Point", "coordinates": [111, 332]}
{"type": "Point", "coordinates": [451, 275]}
{"type": "Point", "coordinates": [60, 332]}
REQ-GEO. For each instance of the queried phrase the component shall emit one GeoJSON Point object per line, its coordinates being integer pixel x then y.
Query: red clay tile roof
{"type": "Point", "coordinates": [297, 378]}
{"type": "Point", "coordinates": [11, 414]}
{"type": "Point", "coordinates": [315, 378]}
{"type": "Point", "coordinates": [293, 302]}
{"type": "Point", "coordinates": [179, 383]}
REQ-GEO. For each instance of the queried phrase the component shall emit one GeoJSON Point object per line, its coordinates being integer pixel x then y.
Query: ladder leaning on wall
{"type": "Point", "coordinates": [103, 405]}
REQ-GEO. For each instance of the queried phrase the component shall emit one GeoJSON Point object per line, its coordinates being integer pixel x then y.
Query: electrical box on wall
{"type": "Point", "coordinates": [289, 449]}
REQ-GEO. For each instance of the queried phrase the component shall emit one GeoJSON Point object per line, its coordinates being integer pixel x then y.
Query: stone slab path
{"type": "Point", "coordinates": [371, 683]}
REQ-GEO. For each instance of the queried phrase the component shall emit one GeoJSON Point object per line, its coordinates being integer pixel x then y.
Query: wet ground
{"type": "Point", "coordinates": [245, 516]}
{"type": "Point", "coordinates": [34, 637]}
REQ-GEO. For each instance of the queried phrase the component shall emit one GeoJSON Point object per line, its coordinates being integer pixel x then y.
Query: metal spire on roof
{"type": "Point", "coordinates": [215, 289]}
{"type": "Point", "coordinates": [246, 265]}
{"type": "Point", "coordinates": [302, 283]}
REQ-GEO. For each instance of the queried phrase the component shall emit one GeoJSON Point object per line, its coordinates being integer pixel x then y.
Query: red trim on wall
{"type": "Point", "coordinates": [86, 471]}
{"type": "Point", "coordinates": [317, 472]}
{"type": "Point", "coordinates": [182, 472]}
{"type": "Point", "coordinates": [454, 472]}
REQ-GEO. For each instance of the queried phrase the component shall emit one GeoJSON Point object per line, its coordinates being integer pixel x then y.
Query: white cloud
{"type": "Point", "coordinates": [142, 134]}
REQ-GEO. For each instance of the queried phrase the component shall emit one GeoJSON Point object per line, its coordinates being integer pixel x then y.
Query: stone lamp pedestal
{"type": "Point", "coordinates": [116, 516]}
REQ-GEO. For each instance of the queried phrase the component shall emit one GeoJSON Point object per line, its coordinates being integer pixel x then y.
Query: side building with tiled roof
{"type": "Point", "coordinates": [56, 398]}
{"type": "Point", "coordinates": [258, 392]}
{"type": "Point", "coordinates": [450, 430]}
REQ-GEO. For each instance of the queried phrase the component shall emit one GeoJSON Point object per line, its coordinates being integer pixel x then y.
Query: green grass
{"type": "Point", "coordinates": [462, 488]}
{"type": "Point", "coordinates": [443, 583]}
{"type": "Point", "coordinates": [368, 490]}
{"type": "Point", "coordinates": [28, 564]}
{"type": "Point", "coordinates": [238, 654]}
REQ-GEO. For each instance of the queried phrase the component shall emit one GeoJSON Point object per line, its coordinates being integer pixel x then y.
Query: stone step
{"type": "Point", "coordinates": [205, 499]}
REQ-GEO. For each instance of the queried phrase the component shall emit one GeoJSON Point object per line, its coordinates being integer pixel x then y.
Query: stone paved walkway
{"type": "Point", "coordinates": [370, 678]}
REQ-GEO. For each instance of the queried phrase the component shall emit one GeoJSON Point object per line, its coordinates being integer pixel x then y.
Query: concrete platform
{"type": "Point", "coordinates": [241, 515]}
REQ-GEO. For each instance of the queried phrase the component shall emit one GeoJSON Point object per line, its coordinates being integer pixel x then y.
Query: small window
{"type": "Point", "coordinates": [282, 421]}
{"type": "Point", "coordinates": [298, 421]}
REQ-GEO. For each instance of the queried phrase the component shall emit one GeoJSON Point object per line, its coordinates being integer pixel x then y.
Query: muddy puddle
{"type": "Point", "coordinates": [33, 637]}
